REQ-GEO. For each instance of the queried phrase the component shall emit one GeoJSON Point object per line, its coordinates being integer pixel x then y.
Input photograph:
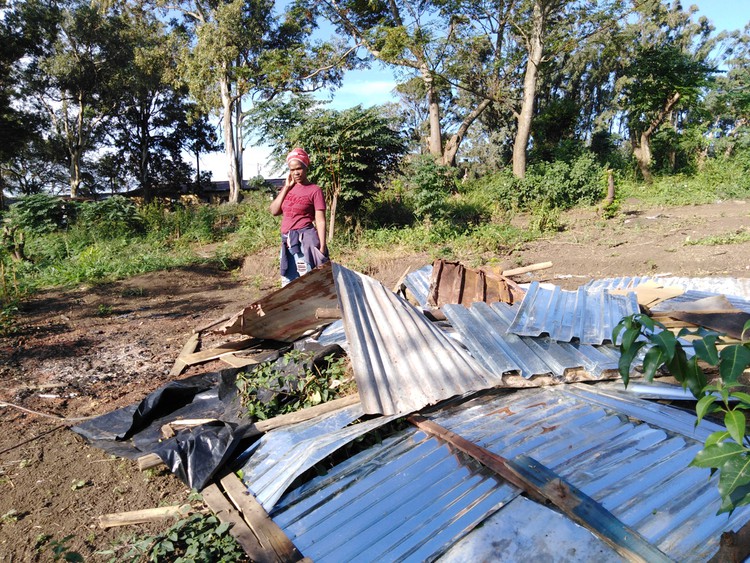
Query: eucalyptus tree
{"type": "Point", "coordinates": [472, 54]}
{"type": "Point", "coordinates": [72, 76]}
{"type": "Point", "coordinates": [670, 67]}
{"type": "Point", "coordinates": [151, 126]}
{"type": "Point", "coordinates": [243, 49]}
{"type": "Point", "coordinates": [729, 99]}
{"type": "Point", "coordinates": [416, 38]}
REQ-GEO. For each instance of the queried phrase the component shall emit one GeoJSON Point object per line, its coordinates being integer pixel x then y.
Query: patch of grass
{"type": "Point", "coordinates": [737, 237]}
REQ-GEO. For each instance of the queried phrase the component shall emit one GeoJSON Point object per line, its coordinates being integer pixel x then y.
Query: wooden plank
{"type": "Point", "coordinates": [244, 361]}
{"type": "Point", "coordinates": [143, 516]}
{"type": "Point", "coordinates": [214, 353]}
{"type": "Point", "coordinates": [225, 512]}
{"type": "Point", "coordinates": [542, 483]}
{"type": "Point", "coordinates": [190, 346]}
{"type": "Point", "coordinates": [306, 414]}
{"type": "Point", "coordinates": [263, 527]}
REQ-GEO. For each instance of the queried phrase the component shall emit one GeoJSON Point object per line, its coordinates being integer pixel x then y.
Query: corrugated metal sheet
{"type": "Point", "coordinates": [288, 313]}
{"type": "Point", "coordinates": [281, 455]}
{"type": "Point", "coordinates": [409, 498]}
{"type": "Point", "coordinates": [418, 284]}
{"type": "Point", "coordinates": [522, 530]}
{"type": "Point", "coordinates": [737, 290]}
{"type": "Point", "coordinates": [584, 314]}
{"type": "Point", "coordinates": [484, 330]}
{"type": "Point", "coordinates": [401, 361]}
{"type": "Point", "coordinates": [392, 501]}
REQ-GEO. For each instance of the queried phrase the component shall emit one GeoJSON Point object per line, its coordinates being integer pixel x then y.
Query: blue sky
{"type": "Point", "coordinates": [374, 86]}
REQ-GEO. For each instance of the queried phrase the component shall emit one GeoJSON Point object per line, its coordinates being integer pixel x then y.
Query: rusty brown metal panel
{"type": "Point", "coordinates": [288, 313]}
{"type": "Point", "coordinates": [453, 283]}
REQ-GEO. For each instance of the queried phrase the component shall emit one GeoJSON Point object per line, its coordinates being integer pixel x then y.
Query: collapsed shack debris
{"type": "Point", "coordinates": [196, 451]}
{"type": "Point", "coordinates": [452, 282]}
{"type": "Point", "coordinates": [598, 445]}
{"type": "Point", "coordinates": [288, 313]}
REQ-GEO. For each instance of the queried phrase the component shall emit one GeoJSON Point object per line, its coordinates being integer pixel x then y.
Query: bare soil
{"type": "Point", "coordinates": [87, 351]}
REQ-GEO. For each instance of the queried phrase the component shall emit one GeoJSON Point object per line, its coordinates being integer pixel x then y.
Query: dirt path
{"type": "Point", "coordinates": [85, 352]}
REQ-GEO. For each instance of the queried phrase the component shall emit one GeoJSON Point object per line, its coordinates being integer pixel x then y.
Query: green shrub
{"type": "Point", "coordinates": [42, 213]}
{"type": "Point", "coordinates": [430, 185]}
{"type": "Point", "coordinates": [110, 218]}
{"type": "Point", "coordinates": [198, 538]}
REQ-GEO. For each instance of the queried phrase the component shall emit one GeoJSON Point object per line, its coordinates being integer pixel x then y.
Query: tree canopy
{"type": "Point", "coordinates": [124, 94]}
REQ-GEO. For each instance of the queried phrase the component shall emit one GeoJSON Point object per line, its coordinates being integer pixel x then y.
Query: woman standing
{"type": "Point", "coordinates": [303, 223]}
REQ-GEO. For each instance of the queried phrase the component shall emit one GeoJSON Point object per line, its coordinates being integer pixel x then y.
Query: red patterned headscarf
{"type": "Point", "coordinates": [300, 155]}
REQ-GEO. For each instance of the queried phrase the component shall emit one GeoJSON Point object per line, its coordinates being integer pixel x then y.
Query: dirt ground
{"type": "Point", "coordinates": [87, 351]}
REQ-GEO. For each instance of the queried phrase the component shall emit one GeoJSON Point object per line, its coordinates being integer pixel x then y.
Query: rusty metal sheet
{"type": "Point", "coordinates": [454, 283]}
{"type": "Point", "coordinates": [288, 313]}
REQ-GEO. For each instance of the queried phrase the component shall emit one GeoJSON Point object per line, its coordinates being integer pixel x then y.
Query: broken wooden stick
{"type": "Point", "coordinates": [526, 269]}
{"type": "Point", "coordinates": [143, 516]}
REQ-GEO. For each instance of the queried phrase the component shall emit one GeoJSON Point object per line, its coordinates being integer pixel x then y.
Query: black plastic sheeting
{"type": "Point", "coordinates": [195, 454]}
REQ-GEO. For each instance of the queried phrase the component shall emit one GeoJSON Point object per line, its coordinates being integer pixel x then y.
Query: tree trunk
{"type": "Point", "coordinates": [229, 146]}
{"type": "Point", "coordinates": [536, 50]}
{"type": "Point", "coordinates": [433, 102]}
{"type": "Point", "coordinates": [74, 140]}
{"type": "Point", "coordinates": [451, 147]}
{"type": "Point", "coordinates": [642, 153]}
{"type": "Point", "coordinates": [610, 199]}
{"type": "Point", "coordinates": [332, 216]}
{"type": "Point", "coordinates": [143, 165]}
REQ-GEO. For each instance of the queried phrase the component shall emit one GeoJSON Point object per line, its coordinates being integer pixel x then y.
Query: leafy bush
{"type": "Point", "coordinates": [430, 184]}
{"type": "Point", "coordinates": [190, 223]}
{"type": "Point", "coordinates": [561, 184]}
{"type": "Point", "coordinates": [110, 218]}
{"type": "Point", "coordinates": [726, 451]}
{"type": "Point", "coordinates": [42, 213]}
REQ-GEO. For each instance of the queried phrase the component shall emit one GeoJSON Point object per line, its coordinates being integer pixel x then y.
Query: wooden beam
{"type": "Point", "coordinates": [190, 346]}
{"type": "Point", "coordinates": [214, 353]}
{"type": "Point", "coordinates": [240, 531]}
{"type": "Point", "coordinates": [211, 324]}
{"type": "Point", "coordinates": [270, 536]}
{"type": "Point", "coordinates": [244, 361]}
{"type": "Point", "coordinates": [143, 516]}
{"type": "Point", "coordinates": [542, 483]}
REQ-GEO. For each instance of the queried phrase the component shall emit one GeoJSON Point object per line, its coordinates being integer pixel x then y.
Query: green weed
{"type": "Point", "coordinates": [268, 391]}
{"type": "Point", "coordinates": [197, 538]}
{"type": "Point", "coordinates": [738, 237]}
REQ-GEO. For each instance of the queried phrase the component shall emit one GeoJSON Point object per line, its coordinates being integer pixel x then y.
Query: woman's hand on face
{"type": "Point", "coordinates": [289, 181]}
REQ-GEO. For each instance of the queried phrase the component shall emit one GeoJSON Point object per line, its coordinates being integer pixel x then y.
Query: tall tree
{"type": "Point", "coordinates": [73, 78]}
{"type": "Point", "coordinates": [151, 126]}
{"type": "Point", "coordinates": [729, 100]}
{"type": "Point", "coordinates": [669, 69]}
{"type": "Point", "coordinates": [242, 49]}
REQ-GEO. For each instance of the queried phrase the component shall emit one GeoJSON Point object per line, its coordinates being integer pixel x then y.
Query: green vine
{"type": "Point", "coordinates": [726, 451]}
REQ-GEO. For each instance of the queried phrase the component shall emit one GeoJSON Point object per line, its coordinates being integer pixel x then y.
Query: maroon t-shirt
{"type": "Point", "coordinates": [299, 206]}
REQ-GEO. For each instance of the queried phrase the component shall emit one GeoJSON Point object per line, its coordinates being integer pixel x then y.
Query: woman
{"type": "Point", "coordinates": [303, 223]}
